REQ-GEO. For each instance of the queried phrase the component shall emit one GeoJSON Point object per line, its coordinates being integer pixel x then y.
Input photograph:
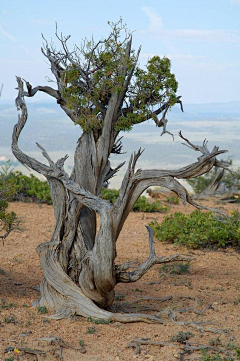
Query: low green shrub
{"type": "Point", "coordinates": [175, 269]}
{"type": "Point", "coordinates": [181, 337]}
{"type": "Point", "coordinates": [197, 230]}
{"type": "Point", "coordinates": [141, 205]}
{"type": "Point", "coordinates": [110, 194]}
{"type": "Point", "coordinates": [206, 357]}
{"type": "Point", "coordinates": [172, 200]}
{"type": "Point", "coordinates": [42, 309]}
{"type": "Point", "coordinates": [8, 220]}
{"type": "Point", "coordinates": [30, 188]}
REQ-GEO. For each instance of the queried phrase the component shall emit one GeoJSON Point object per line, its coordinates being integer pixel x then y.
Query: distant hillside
{"type": "Point", "coordinates": [49, 126]}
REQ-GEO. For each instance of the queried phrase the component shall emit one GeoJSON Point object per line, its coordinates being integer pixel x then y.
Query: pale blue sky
{"type": "Point", "coordinates": [201, 37]}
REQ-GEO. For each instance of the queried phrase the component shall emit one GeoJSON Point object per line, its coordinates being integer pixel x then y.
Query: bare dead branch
{"type": "Point", "coordinates": [194, 347]}
{"type": "Point", "coordinates": [135, 183]}
{"type": "Point", "coordinates": [112, 172]}
{"type": "Point", "coordinates": [161, 299]}
{"type": "Point", "coordinates": [133, 276]}
{"type": "Point", "coordinates": [144, 341]}
{"type": "Point", "coordinates": [136, 346]}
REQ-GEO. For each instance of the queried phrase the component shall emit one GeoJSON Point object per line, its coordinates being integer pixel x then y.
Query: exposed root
{"type": "Point", "coordinates": [144, 341]}
{"type": "Point", "coordinates": [61, 294]}
{"type": "Point", "coordinates": [187, 348]}
{"type": "Point", "coordinates": [62, 344]}
{"type": "Point", "coordinates": [195, 347]}
{"type": "Point", "coordinates": [136, 346]}
{"type": "Point", "coordinates": [194, 309]}
{"type": "Point", "coordinates": [161, 299]}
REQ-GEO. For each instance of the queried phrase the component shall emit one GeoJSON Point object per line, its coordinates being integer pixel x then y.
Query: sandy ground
{"type": "Point", "coordinates": [209, 296]}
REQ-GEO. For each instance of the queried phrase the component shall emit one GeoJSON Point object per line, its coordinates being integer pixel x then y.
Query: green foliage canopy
{"type": "Point", "coordinates": [97, 72]}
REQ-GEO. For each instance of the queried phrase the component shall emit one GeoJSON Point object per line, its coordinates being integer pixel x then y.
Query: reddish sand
{"type": "Point", "coordinates": [212, 284]}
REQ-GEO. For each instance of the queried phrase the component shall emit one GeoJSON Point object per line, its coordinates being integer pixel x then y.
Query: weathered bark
{"type": "Point", "coordinates": [78, 262]}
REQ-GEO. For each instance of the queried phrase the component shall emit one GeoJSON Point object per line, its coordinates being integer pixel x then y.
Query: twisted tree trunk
{"type": "Point", "coordinates": [78, 262]}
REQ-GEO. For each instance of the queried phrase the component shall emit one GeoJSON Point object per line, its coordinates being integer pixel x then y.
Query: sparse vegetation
{"type": "Point", "coordinates": [7, 306]}
{"type": "Point", "coordinates": [177, 268]}
{"type": "Point", "coordinates": [215, 342]}
{"type": "Point", "coordinates": [98, 321]}
{"type": "Point", "coordinates": [237, 301]}
{"type": "Point", "coordinates": [10, 319]}
{"type": "Point", "coordinates": [172, 200]}
{"type": "Point", "coordinates": [42, 310]}
{"type": "Point", "coordinates": [138, 290]}
{"type": "Point", "coordinates": [120, 297]}
{"type": "Point", "coordinates": [215, 358]}
{"type": "Point", "coordinates": [91, 330]}
{"type": "Point", "coordinates": [182, 337]}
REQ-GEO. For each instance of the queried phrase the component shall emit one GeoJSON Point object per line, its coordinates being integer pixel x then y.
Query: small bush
{"type": "Point", "coordinates": [98, 321]}
{"type": "Point", "coordinates": [206, 357]}
{"type": "Point", "coordinates": [177, 268]}
{"type": "Point", "coordinates": [10, 319]}
{"type": "Point", "coordinates": [91, 330]}
{"type": "Point", "coordinates": [8, 220]}
{"type": "Point", "coordinates": [42, 310]}
{"type": "Point", "coordinates": [182, 337]}
{"type": "Point", "coordinates": [197, 230]}
{"type": "Point", "coordinates": [17, 186]}
{"type": "Point", "coordinates": [141, 205]}
{"type": "Point", "coordinates": [81, 343]}
{"type": "Point", "coordinates": [172, 200]}
{"type": "Point", "coordinates": [110, 194]}
{"type": "Point", "coordinates": [30, 188]}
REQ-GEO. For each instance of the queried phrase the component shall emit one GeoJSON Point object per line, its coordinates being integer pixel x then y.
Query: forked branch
{"type": "Point", "coordinates": [54, 170]}
{"type": "Point", "coordinates": [121, 271]}
{"type": "Point", "coordinates": [135, 183]}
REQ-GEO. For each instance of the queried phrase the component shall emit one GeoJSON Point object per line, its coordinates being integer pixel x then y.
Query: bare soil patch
{"type": "Point", "coordinates": [207, 297]}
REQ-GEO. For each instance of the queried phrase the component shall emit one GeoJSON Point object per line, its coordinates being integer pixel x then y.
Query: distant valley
{"type": "Point", "coordinates": [50, 127]}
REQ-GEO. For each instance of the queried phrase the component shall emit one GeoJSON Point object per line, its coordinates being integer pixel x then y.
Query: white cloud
{"type": "Point", "coordinates": [173, 56]}
{"type": "Point", "coordinates": [217, 66]}
{"type": "Point", "coordinates": [155, 20]}
{"type": "Point", "coordinates": [14, 40]}
{"type": "Point", "coordinates": [6, 34]}
{"type": "Point", "coordinates": [207, 35]}
{"type": "Point", "coordinates": [235, 2]}
{"type": "Point", "coordinates": [41, 22]}
{"type": "Point", "coordinates": [156, 30]}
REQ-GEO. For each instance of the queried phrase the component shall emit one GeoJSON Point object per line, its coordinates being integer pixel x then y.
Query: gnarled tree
{"type": "Point", "coordinates": [101, 87]}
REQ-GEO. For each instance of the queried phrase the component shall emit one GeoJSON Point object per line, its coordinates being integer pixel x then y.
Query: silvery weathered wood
{"type": "Point", "coordinates": [78, 262]}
